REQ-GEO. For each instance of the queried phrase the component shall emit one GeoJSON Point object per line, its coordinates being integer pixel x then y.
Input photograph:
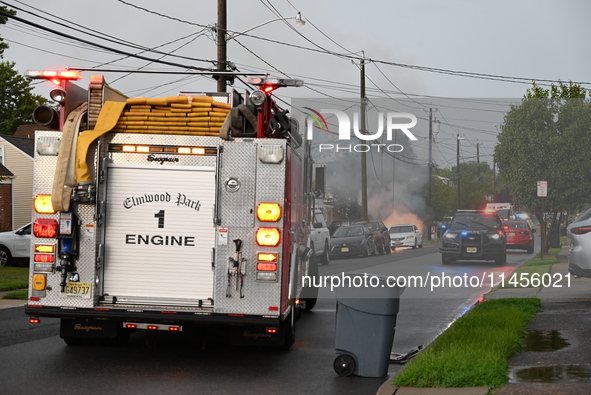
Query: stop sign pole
{"type": "Point", "coordinates": [542, 193]}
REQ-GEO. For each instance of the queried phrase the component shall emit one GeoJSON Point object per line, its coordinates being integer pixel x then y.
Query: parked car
{"type": "Point", "coordinates": [519, 235]}
{"type": "Point", "coordinates": [320, 238]}
{"type": "Point", "coordinates": [381, 235]}
{"type": "Point", "coordinates": [15, 245]}
{"type": "Point", "coordinates": [474, 235]}
{"type": "Point", "coordinates": [352, 240]}
{"type": "Point", "coordinates": [407, 235]}
{"type": "Point", "coordinates": [579, 234]}
{"type": "Point", "coordinates": [337, 223]}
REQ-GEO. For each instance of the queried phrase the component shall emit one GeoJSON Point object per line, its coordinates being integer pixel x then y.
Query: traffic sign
{"type": "Point", "coordinates": [542, 188]}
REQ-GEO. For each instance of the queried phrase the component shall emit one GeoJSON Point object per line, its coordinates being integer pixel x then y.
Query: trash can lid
{"type": "Point", "coordinates": [368, 293]}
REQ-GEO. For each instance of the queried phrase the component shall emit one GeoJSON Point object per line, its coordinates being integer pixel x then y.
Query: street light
{"type": "Point", "coordinates": [223, 39]}
{"type": "Point", "coordinates": [459, 137]}
{"type": "Point", "coordinates": [298, 18]}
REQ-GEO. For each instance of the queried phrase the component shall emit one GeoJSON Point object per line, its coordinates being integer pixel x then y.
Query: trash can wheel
{"type": "Point", "coordinates": [344, 365]}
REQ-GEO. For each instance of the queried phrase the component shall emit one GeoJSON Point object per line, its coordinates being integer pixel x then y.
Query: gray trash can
{"type": "Point", "coordinates": [365, 325]}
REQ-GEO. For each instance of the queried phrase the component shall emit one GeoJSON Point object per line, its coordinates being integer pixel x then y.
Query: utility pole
{"type": "Point", "coordinates": [478, 159]}
{"type": "Point", "coordinates": [430, 190]}
{"type": "Point", "coordinates": [221, 44]}
{"type": "Point", "coordinates": [458, 170]}
{"type": "Point", "coordinates": [363, 155]}
{"type": "Point", "coordinates": [494, 179]}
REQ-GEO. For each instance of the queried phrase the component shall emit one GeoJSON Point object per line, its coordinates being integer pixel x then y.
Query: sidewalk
{"type": "Point", "coordinates": [10, 303]}
{"type": "Point", "coordinates": [564, 320]}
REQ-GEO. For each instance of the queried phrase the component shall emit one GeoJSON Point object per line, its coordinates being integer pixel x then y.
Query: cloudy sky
{"type": "Point", "coordinates": [460, 50]}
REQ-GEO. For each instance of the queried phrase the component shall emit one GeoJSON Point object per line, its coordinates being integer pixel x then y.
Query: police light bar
{"type": "Point", "coordinates": [274, 81]}
{"type": "Point", "coordinates": [53, 75]}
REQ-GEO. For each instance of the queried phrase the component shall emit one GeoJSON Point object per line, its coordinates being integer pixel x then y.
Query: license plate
{"type": "Point", "coordinates": [78, 290]}
{"type": "Point", "coordinates": [471, 249]}
{"type": "Point", "coordinates": [511, 234]}
{"type": "Point", "coordinates": [345, 249]}
{"type": "Point", "coordinates": [397, 242]}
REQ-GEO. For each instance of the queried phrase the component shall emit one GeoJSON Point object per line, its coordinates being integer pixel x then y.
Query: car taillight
{"type": "Point", "coordinates": [269, 237]}
{"type": "Point", "coordinates": [43, 227]}
{"type": "Point", "coordinates": [581, 230]}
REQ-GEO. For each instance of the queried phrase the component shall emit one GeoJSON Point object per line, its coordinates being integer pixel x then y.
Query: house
{"type": "Point", "coordinates": [16, 155]}
{"type": "Point", "coordinates": [6, 179]}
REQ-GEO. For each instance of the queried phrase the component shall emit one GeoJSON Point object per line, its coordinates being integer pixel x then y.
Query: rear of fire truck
{"type": "Point", "coordinates": [169, 214]}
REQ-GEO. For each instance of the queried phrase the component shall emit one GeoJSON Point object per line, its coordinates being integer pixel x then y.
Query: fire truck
{"type": "Point", "coordinates": [183, 213]}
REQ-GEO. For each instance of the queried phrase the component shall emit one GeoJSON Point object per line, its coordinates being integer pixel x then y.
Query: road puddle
{"type": "Point", "coordinates": [551, 374]}
{"type": "Point", "coordinates": [544, 341]}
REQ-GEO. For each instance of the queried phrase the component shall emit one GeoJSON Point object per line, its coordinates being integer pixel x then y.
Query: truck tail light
{"type": "Point", "coordinates": [266, 266]}
{"type": "Point", "coordinates": [44, 258]}
{"type": "Point", "coordinates": [269, 237]}
{"type": "Point", "coordinates": [269, 212]}
{"type": "Point", "coordinates": [43, 204]}
{"type": "Point", "coordinates": [43, 227]}
{"type": "Point", "coordinates": [45, 248]}
{"type": "Point", "coordinates": [267, 257]}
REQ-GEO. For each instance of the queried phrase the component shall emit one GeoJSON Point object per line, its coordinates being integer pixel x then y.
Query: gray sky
{"type": "Point", "coordinates": [529, 39]}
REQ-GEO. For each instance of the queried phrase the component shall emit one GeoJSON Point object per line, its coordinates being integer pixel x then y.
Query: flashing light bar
{"type": "Point", "coordinates": [59, 75]}
{"type": "Point", "coordinates": [277, 82]}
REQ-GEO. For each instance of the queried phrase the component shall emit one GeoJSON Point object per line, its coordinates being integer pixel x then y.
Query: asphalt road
{"type": "Point", "coordinates": [34, 358]}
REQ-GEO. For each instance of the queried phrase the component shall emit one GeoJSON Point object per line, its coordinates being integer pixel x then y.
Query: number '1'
{"type": "Point", "coordinates": [160, 216]}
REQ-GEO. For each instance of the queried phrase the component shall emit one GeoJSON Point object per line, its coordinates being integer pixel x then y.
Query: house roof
{"type": "Point", "coordinates": [4, 172]}
{"type": "Point", "coordinates": [28, 131]}
{"type": "Point", "coordinates": [24, 144]}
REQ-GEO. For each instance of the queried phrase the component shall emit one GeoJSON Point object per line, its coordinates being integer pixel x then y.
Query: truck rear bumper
{"type": "Point", "coordinates": [149, 316]}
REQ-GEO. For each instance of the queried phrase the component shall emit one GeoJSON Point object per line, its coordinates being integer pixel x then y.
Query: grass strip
{"type": "Point", "coordinates": [474, 350]}
{"type": "Point", "coordinates": [18, 295]}
{"type": "Point", "coordinates": [529, 274]}
{"type": "Point", "coordinates": [12, 278]}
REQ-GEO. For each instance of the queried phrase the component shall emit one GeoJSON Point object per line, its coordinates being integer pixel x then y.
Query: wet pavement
{"type": "Point", "coordinates": [556, 358]}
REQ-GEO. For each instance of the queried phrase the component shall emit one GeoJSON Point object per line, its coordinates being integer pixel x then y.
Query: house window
{"type": "Point", "coordinates": [2, 155]}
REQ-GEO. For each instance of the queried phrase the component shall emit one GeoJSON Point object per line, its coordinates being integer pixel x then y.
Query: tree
{"type": "Point", "coordinates": [443, 198]}
{"type": "Point", "coordinates": [546, 138]}
{"type": "Point", "coordinates": [476, 184]}
{"type": "Point", "coordinates": [3, 20]}
{"type": "Point", "coordinates": [17, 101]}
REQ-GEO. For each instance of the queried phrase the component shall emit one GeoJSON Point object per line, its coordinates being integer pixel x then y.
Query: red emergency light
{"type": "Point", "coordinates": [45, 227]}
{"type": "Point", "coordinates": [55, 76]}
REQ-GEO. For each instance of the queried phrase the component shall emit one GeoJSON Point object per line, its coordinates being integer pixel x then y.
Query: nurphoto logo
{"type": "Point", "coordinates": [393, 121]}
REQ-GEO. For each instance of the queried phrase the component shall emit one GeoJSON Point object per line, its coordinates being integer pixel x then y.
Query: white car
{"type": "Point", "coordinates": [579, 233]}
{"type": "Point", "coordinates": [406, 235]}
{"type": "Point", "coordinates": [15, 244]}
